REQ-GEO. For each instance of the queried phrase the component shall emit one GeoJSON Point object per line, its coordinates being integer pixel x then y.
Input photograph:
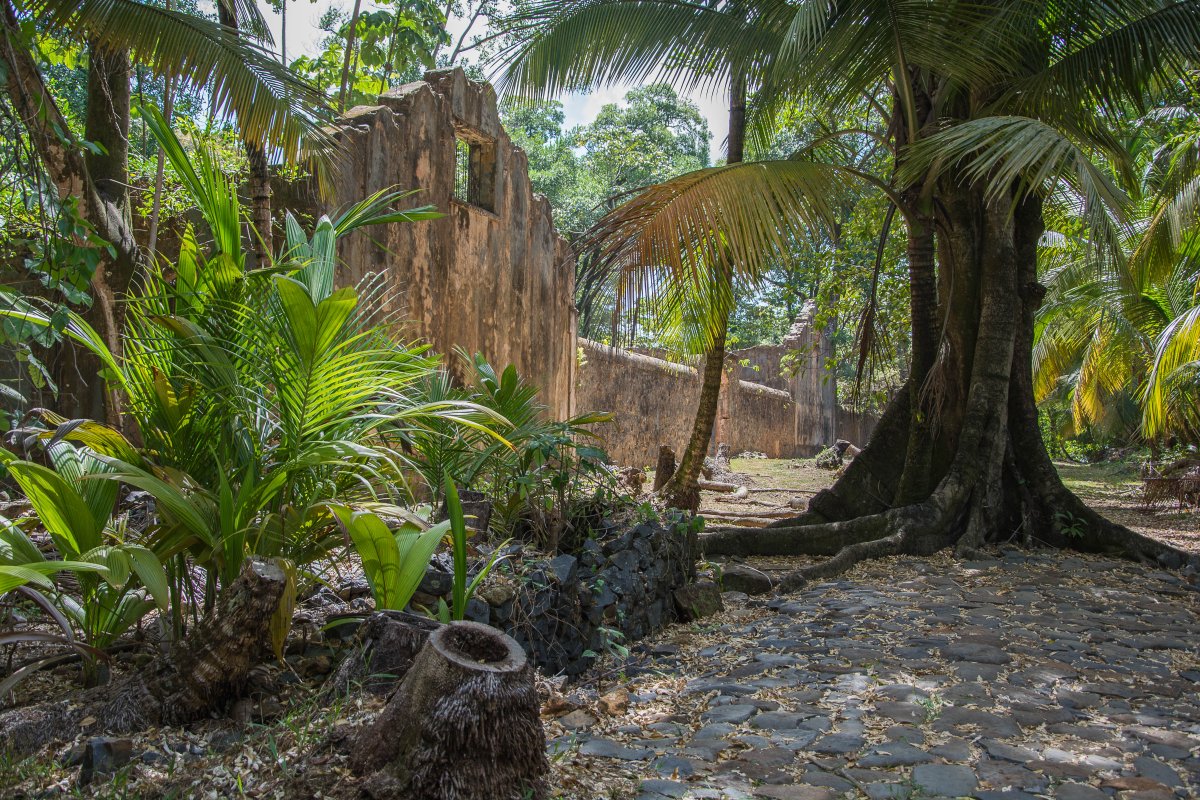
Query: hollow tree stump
{"type": "Point", "coordinates": [665, 467]}
{"type": "Point", "coordinates": [462, 725]}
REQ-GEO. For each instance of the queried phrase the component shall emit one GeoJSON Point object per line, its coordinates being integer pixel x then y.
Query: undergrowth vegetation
{"type": "Point", "coordinates": [268, 413]}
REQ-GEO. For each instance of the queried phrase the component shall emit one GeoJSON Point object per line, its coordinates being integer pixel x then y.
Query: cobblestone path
{"type": "Point", "coordinates": [1047, 675]}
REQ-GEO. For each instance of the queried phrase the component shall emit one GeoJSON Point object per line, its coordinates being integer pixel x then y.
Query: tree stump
{"type": "Point", "coordinates": [200, 674]}
{"type": "Point", "coordinates": [462, 725]}
{"type": "Point", "coordinates": [388, 643]}
{"type": "Point", "coordinates": [665, 467]}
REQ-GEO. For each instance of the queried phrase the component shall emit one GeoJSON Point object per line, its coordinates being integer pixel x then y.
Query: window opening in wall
{"type": "Point", "coordinates": [475, 172]}
{"type": "Point", "coordinates": [462, 170]}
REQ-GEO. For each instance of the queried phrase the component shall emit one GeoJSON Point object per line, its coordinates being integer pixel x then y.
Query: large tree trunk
{"type": "Point", "coordinates": [107, 125]}
{"type": "Point", "coordinates": [203, 673]}
{"type": "Point", "coordinates": [99, 183]}
{"type": "Point", "coordinates": [989, 476]}
{"type": "Point", "coordinates": [462, 725]}
{"type": "Point", "coordinates": [683, 491]}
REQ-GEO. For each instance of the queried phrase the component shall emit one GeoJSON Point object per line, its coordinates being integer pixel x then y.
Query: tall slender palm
{"type": "Point", "coordinates": [994, 106]}
{"type": "Point", "coordinates": [721, 59]}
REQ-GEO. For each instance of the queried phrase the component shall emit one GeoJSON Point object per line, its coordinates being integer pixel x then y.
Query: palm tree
{"type": "Point", "coordinates": [1168, 252]}
{"type": "Point", "coordinates": [1107, 308]}
{"type": "Point", "coordinates": [664, 33]}
{"type": "Point", "coordinates": [272, 108]}
{"type": "Point", "coordinates": [993, 108]}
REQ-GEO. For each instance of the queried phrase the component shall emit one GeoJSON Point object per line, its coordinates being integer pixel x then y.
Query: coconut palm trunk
{"type": "Point", "coordinates": [682, 490]}
{"type": "Point", "coordinates": [258, 183]}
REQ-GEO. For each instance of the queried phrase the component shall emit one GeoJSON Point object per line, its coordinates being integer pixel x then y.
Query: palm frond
{"type": "Point", "coordinates": [586, 43]}
{"type": "Point", "coordinates": [684, 242]}
{"type": "Point", "coordinates": [1108, 55]}
{"type": "Point", "coordinates": [1007, 152]}
{"type": "Point", "coordinates": [272, 106]}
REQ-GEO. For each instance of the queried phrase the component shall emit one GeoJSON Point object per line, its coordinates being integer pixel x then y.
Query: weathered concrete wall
{"type": "Point", "coordinates": [799, 366]}
{"type": "Point", "coordinates": [492, 277]}
{"type": "Point", "coordinates": [760, 419]}
{"type": "Point", "coordinates": [783, 405]}
{"type": "Point", "coordinates": [855, 426]}
{"type": "Point", "coordinates": [653, 401]}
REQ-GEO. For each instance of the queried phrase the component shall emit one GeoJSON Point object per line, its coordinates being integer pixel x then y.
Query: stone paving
{"type": "Point", "coordinates": [1029, 674]}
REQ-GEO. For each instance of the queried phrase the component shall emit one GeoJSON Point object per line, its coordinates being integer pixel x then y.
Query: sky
{"type": "Point", "coordinates": [304, 38]}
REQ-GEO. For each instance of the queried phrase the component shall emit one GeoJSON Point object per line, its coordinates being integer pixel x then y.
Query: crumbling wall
{"type": "Point", "coordinates": [653, 401]}
{"type": "Point", "coordinates": [492, 276]}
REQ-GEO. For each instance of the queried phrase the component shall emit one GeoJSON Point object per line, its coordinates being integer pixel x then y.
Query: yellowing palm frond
{"type": "Point", "coordinates": [684, 242]}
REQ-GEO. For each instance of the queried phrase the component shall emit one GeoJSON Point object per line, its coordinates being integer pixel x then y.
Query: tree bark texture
{"type": "Point", "coordinates": [462, 725]}
{"type": "Point", "coordinates": [682, 490]}
{"type": "Point", "coordinates": [203, 673]}
{"type": "Point", "coordinates": [665, 467]}
{"type": "Point", "coordinates": [258, 182]}
{"type": "Point", "coordinates": [99, 182]}
{"type": "Point", "coordinates": [988, 474]}
{"type": "Point", "coordinates": [388, 643]}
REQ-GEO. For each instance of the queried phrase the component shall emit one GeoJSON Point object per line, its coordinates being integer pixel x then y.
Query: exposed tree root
{"type": "Point", "coordinates": [203, 673]}
{"type": "Point", "coordinates": [846, 558]}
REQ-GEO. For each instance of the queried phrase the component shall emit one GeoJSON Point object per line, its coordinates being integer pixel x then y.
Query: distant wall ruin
{"type": "Point", "coordinates": [492, 276]}
{"type": "Point", "coordinates": [786, 410]}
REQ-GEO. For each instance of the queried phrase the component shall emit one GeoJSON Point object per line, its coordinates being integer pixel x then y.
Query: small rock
{"type": "Point", "coordinates": [731, 714]}
{"type": "Point", "coordinates": [103, 756]}
{"type": "Point", "coordinates": [1078, 791]}
{"type": "Point", "coordinates": [838, 744]}
{"type": "Point", "coordinates": [496, 594]}
{"type": "Point", "coordinates": [894, 754]}
{"type": "Point", "coordinates": [945, 780]}
{"type": "Point", "coordinates": [607, 748]}
{"type": "Point", "coordinates": [978, 653]}
{"type": "Point", "coordinates": [564, 568]}
{"type": "Point", "coordinates": [740, 578]}
{"type": "Point", "coordinates": [795, 792]}
{"type": "Point", "coordinates": [577, 720]}
{"type": "Point", "coordinates": [699, 600]}
{"type": "Point", "coordinates": [615, 702]}
{"type": "Point", "coordinates": [654, 788]}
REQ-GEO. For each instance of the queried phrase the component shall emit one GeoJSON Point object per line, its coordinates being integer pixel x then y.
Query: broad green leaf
{"type": "Point", "coordinates": [59, 507]}
{"type": "Point", "coordinates": [377, 549]}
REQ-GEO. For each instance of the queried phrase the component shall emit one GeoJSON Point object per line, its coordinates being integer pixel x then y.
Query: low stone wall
{"type": "Point", "coordinates": [566, 610]}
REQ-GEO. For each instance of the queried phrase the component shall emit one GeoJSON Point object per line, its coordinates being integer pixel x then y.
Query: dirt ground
{"type": "Point", "coordinates": [782, 486]}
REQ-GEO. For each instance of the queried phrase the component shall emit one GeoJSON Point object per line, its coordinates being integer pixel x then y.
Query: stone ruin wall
{"type": "Point", "coordinates": [491, 277]}
{"type": "Point", "coordinates": [784, 413]}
